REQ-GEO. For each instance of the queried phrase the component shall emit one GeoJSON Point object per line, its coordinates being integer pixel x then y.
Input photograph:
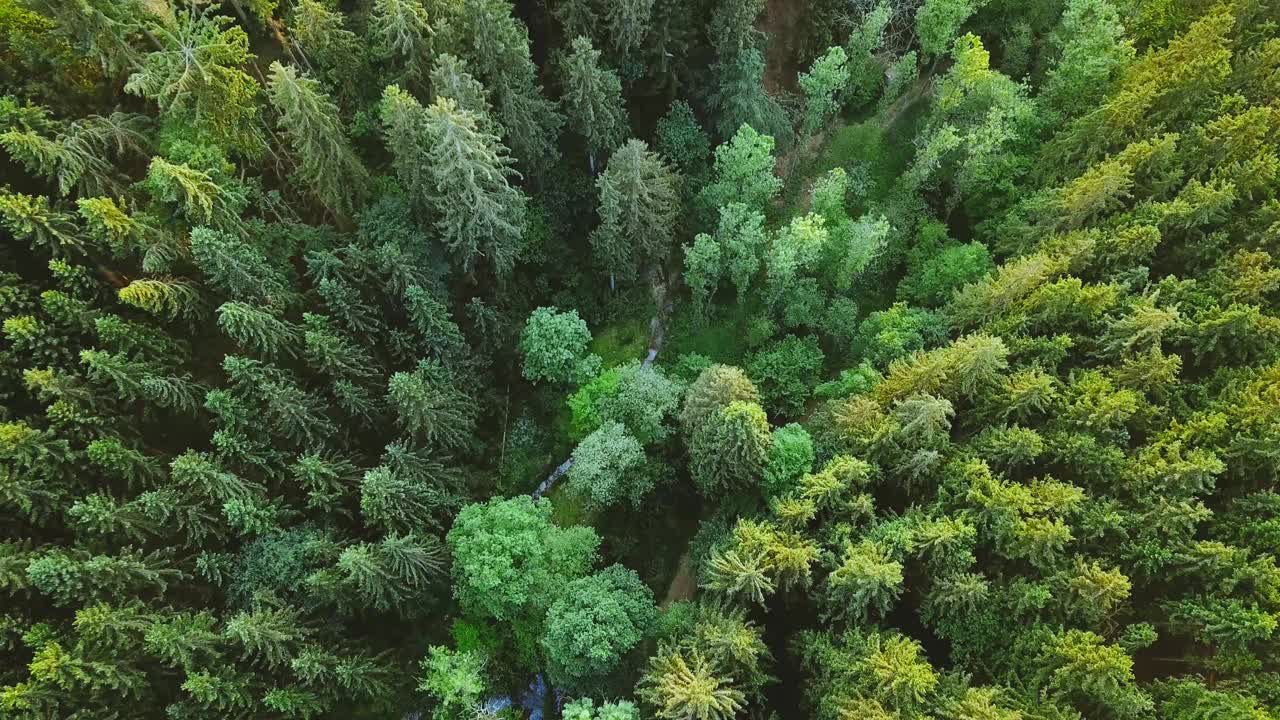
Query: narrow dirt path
{"type": "Point", "coordinates": [683, 583]}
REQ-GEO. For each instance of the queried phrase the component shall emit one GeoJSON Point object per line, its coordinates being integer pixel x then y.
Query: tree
{"type": "Point", "coordinates": [431, 406]}
{"type": "Point", "coordinates": [326, 162]}
{"type": "Point", "coordinates": [787, 372]}
{"type": "Point", "coordinates": [450, 79]}
{"type": "Point", "coordinates": [743, 173]}
{"type": "Point", "coordinates": [593, 98]}
{"type": "Point", "coordinates": [791, 455]}
{"type": "Point", "coordinates": [195, 75]}
{"type": "Point", "coordinates": [703, 266]}
{"type": "Point", "coordinates": [1079, 664]}
{"type": "Point", "coordinates": [741, 99]}
{"type": "Point", "coordinates": [866, 579]}
{"type": "Point", "coordinates": [627, 23]}
{"type": "Point", "coordinates": [683, 685]}
{"type": "Point", "coordinates": [584, 709]}
{"type": "Point", "coordinates": [823, 87]}
{"type": "Point", "coordinates": [553, 346]}
{"type": "Point", "coordinates": [486, 34]}
{"type": "Point", "coordinates": [456, 679]}
{"type": "Point", "coordinates": [682, 141]}
{"type": "Point", "coordinates": [599, 619]}
{"type": "Point", "coordinates": [733, 27]}
{"type": "Point", "coordinates": [321, 34]}
{"type": "Point", "coordinates": [402, 30]}
{"type": "Point", "coordinates": [609, 466]}
{"type": "Point", "coordinates": [461, 173]}
{"type": "Point", "coordinates": [742, 240]}
{"type": "Point", "coordinates": [715, 388]}
{"type": "Point", "coordinates": [938, 22]}
{"type": "Point", "coordinates": [730, 449]}
{"type": "Point", "coordinates": [511, 563]}
{"type": "Point", "coordinates": [643, 400]}
{"type": "Point", "coordinates": [638, 210]}
{"type": "Point", "coordinates": [1094, 51]}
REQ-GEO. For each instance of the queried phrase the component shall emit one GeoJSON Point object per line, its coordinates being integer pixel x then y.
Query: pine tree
{"type": "Point", "coordinates": [639, 204]}
{"type": "Point", "coordinates": [326, 163]}
{"type": "Point", "coordinates": [593, 99]}
{"type": "Point", "coordinates": [196, 75]}
{"type": "Point", "coordinates": [460, 172]}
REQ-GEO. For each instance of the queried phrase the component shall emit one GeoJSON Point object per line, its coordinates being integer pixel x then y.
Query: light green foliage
{"type": "Point", "coordinates": [936, 279]}
{"type": "Point", "coordinates": [865, 579]}
{"type": "Point", "coordinates": [608, 467]}
{"type": "Point", "coordinates": [938, 22]}
{"type": "Point", "coordinates": [823, 87]}
{"type": "Point", "coordinates": [715, 387]}
{"type": "Point", "coordinates": [510, 562]}
{"type": "Point", "coordinates": [740, 234]}
{"type": "Point", "coordinates": [743, 172]}
{"type": "Point", "coordinates": [703, 266]}
{"type": "Point", "coordinates": [686, 687]}
{"type": "Point", "coordinates": [862, 50]}
{"type": "Point", "coordinates": [795, 251]}
{"type": "Point", "coordinates": [594, 624]}
{"type": "Point", "coordinates": [553, 345]}
{"type": "Point", "coordinates": [196, 75]}
{"type": "Point", "coordinates": [1094, 51]}
{"type": "Point", "coordinates": [638, 209]}
{"type": "Point", "coordinates": [644, 400]}
{"type": "Point", "coordinates": [901, 75]}
{"type": "Point", "coordinates": [887, 335]}
{"type": "Point", "coordinates": [584, 709]}
{"type": "Point", "coordinates": [454, 679]}
{"type": "Point", "coordinates": [322, 34]}
{"type": "Point", "coordinates": [790, 456]}
{"type": "Point", "coordinates": [1079, 664]}
{"type": "Point", "coordinates": [326, 162]}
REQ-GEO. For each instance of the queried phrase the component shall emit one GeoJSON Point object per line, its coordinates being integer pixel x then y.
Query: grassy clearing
{"type": "Point", "coordinates": [622, 341]}
{"type": "Point", "coordinates": [568, 509]}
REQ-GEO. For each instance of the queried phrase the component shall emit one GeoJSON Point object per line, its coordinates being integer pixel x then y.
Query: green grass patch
{"type": "Point", "coordinates": [568, 509]}
{"type": "Point", "coordinates": [723, 338]}
{"type": "Point", "coordinates": [622, 341]}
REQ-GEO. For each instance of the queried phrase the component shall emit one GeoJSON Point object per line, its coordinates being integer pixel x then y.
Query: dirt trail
{"type": "Point", "coordinates": [683, 584]}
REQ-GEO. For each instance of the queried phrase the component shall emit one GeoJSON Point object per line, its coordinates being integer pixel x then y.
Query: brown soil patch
{"type": "Point", "coordinates": [683, 585]}
{"type": "Point", "coordinates": [782, 24]}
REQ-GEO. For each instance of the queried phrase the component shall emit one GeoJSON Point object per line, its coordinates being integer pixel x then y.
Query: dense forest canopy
{"type": "Point", "coordinates": [621, 359]}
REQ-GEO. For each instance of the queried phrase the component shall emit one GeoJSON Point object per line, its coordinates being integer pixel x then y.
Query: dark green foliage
{"type": "Point", "coordinates": [288, 333]}
{"type": "Point", "coordinates": [786, 373]}
{"type": "Point", "coordinates": [598, 620]}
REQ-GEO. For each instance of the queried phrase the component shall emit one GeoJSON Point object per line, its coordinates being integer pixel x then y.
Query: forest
{"type": "Point", "coordinates": [639, 359]}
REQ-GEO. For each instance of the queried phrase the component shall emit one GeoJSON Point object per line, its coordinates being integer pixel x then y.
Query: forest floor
{"type": "Point", "coordinates": [683, 583]}
{"type": "Point", "coordinates": [782, 23]}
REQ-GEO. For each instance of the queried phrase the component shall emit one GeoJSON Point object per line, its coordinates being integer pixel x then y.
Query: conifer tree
{"type": "Point", "coordinates": [326, 162]}
{"type": "Point", "coordinates": [593, 100]}
{"type": "Point", "coordinates": [638, 209]}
